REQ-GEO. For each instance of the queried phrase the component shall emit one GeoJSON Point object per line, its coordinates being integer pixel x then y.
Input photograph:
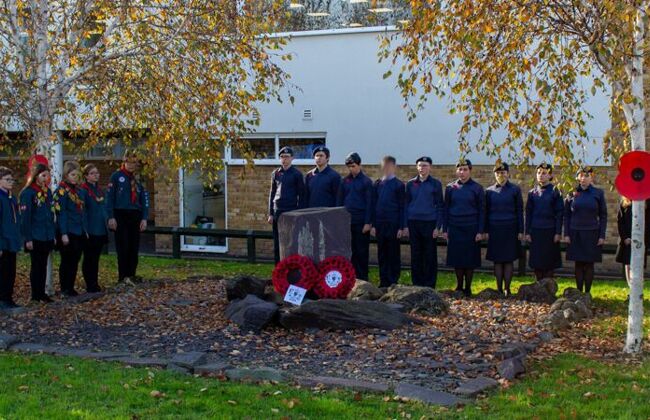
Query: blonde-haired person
{"type": "Point", "coordinates": [94, 199]}
{"type": "Point", "coordinates": [71, 224]}
{"type": "Point", "coordinates": [624, 224]}
{"type": "Point", "coordinates": [37, 227]}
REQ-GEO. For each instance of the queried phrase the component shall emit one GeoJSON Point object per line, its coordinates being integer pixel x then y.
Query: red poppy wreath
{"type": "Point", "coordinates": [336, 277]}
{"type": "Point", "coordinates": [633, 180]}
{"type": "Point", "coordinates": [296, 270]}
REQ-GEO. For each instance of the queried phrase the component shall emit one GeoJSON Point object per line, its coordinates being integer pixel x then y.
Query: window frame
{"type": "Point", "coordinates": [277, 136]}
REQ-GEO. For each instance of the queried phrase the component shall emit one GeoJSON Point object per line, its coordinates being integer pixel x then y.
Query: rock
{"type": "Point", "coordinates": [7, 341]}
{"type": "Point", "coordinates": [572, 294]}
{"type": "Point", "coordinates": [546, 336]}
{"type": "Point", "coordinates": [141, 361]}
{"type": "Point", "coordinates": [342, 315]}
{"type": "Point", "coordinates": [581, 309]}
{"type": "Point", "coordinates": [242, 286]}
{"type": "Point", "coordinates": [364, 290]}
{"type": "Point", "coordinates": [542, 291]}
{"type": "Point", "coordinates": [32, 348]}
{"type": "Point", "coordinates": [332, 382]}
{"type": "Point", "coordinates": [216, 368]}
{"type": "Point", "coordinates": [510, 368]}
{"type": "Point", "coordinates": [13, 311]}
{"type": "Point", "coordinates": [179, 369]}
{"type": "Point", "coordinates": [317, 233]}
{"type": "Point", "coordinates": [570, 315]}
{"type": "Point", "coordinates": [473, 387]}
{"type": "Point", "coordinates": [190, 359]}
{"type": "Point", "coordinates": [511, 350]}
{"type": "Point", "coordinates": [421, 300]}
{"type": "Point", "coordinates": [426, 395]}
{"type": "Point", "coordinates": [555, 321]}
{"type": "Point", "coordinates": [251, 313]}
{"type": "Point", "coordinates": [559, 305]}
{"type": "Point", "coordinates": [255, 375]}
{"type": "Point", "coordinates": [490, 294]}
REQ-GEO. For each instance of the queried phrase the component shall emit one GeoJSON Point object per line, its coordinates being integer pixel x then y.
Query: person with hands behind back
{"type": "Point", "coordinates": [127, 209]}
{"type": "Point", "coordinates": [37, 227]}
{"type": "Point", "coordinates": [96, 221]}
{"type": "Point", "coordinates": [9, 238]}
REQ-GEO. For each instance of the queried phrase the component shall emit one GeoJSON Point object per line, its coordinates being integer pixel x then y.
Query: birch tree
{"type": "Point", "coordinates": [180, 76]}
{"type": "Point", "coordinates": [517, 67]}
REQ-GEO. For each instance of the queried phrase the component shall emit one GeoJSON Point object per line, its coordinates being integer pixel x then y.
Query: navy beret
{"type": "Point", "coordinates": [321, 149]}
{"type": "Point", "coordinates": [464, 162]}
{"type": "Point", "coordinates": [502, 167]}
{"type": "Point", "coordinates": [585, 169]}
{"type": "Point", "coordinates": [353, 158]}
{"type": "Point", "coordinates": [546, 166]}
{"type": "Point", "coordinates": [286, 151]}
{"type": "Point", "coordinates": [426, 159]}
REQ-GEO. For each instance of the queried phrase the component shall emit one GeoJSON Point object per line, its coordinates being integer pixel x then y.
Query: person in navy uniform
{"type": "Point", "coordinates": [464, 225]}
{"type": "Point", "coordinates": [355, 194]}
{"type": "Point", "coordinates": [504, 225]}
{"type": "Point", "coordinates": [624, 225]}
{"type": "Point", "coordinates": [388, 221]}
{"type": "Point", "coordinates": [322, 182]}
{"type": "Point", "coordinates": [9, 238]}
{"type": "Point", "coordinates": [544, 213]}
{"type": "Point", "coordinates": [287, 189]}
{"type": "Point", "coordinates": [95, 205]}
{"type": "Point", "coordinates": [585, 224]}
{"type": "Point", "coordinates": [37, 227]}
{"type": "Point", "coordinates": [127, 209]}
{"type": "Point", "coordinates": [424, 218]}
{"type": "Point", "coordinates": [71, 226]}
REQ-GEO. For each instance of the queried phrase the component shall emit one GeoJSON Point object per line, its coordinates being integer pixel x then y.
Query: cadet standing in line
{"type": "Point", "coordinates": [93, 197]}
{"type": "Point", "coordinates": [127, 209]}
{"type": "Point", "coordinates": [544, 209]}
{"type": "Point", "coordinates": [71, 222]}
{"type": "Point", "coordinates": [9, 238]}
{"type": "Point", "coordinates": [322, 182]}
{"type": "Point", "coordinates": [504, 225]}
{"type": "Point", "coordinates": [287, 189]}
{"type": "Point", "coordinates": [464, 225]}
{"type": "Point", "coordinates": [624, 225]}
{"type": "Point", "coordinates": [37, 227]}
{"type": "Point", "coordinates": [355, 194]}
{"type": "Point", "coordinates": [424, 218]}
{"type": "Point", "coordinates": [388, 222]}
{"type": "Point", "coordinates": [585, 224]}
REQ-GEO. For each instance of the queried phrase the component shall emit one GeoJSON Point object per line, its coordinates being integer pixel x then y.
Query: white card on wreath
{"type": "Point", "coordinates": [295, 295]}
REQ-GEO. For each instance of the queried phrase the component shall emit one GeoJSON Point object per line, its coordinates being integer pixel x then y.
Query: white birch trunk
{"type": "Point", "coordinates": [635, 116]}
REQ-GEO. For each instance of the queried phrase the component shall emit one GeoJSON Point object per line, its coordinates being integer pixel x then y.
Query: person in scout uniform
{"type": "Point", "coordinates": [71, 223]}
{"type": "Point", "coordinates": [388, 221]}
{"type": "Point", "coordinates": [355, 194]}
{"type": "Point", "coordinates": [127, 209]}
{"type": "Point", "coordinates": [9, 238]}
{"type": "Point", "coordinates": [424, 218]}
{"type": "Point", "coordinates": [287, 189]}
{"type": "Point", "coordinates": [96, 219]}
{"type": "Point", "coordinates": [585, 224]}
{"type": "Point", "coordinates": [464, 225]}
{"type": "Point", "coordinates": [322, 182]}
{"type": "Point", "coordinates": [504, 225]}
{"type": "Point", "coordinates": [544, 213]}
{"type": "Point", "coordinates": [37, 227]}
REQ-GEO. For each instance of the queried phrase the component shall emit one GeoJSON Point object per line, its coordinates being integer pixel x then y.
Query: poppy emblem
{"type": "Point", "coordinates": [633, 179]}
{"type": "Point", "coordinates": [122, 179]}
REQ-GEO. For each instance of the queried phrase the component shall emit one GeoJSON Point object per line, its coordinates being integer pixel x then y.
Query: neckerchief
{"type": "Point", "coordinates": [72, 193]}
{"type": "Point", "coordinates": [134, 190]}
{"type": "Point", "coordinates": [99, 197]}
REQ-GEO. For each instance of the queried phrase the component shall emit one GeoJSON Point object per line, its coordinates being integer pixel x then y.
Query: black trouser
{"type": "Point", "coordinates": [90, 265]}
{"type": "Point", "coordinates": [388, 253]}
{"type": "Point", "coordinates": [70, 256]}
{"type": "Point", "coordinates": [127, 241]}
{"type": "Point", "coordinates": [7, 275]}
{"type": "Point", "coordinates": [424, 253]}
{"type": "Point", "coordinates": [360, 250]}
{"type": "Point", "coordinates": [276, 236]}
{"type": "Point", "coordinates": [38, 271]}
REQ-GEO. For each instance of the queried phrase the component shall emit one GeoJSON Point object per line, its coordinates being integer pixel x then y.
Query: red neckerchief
{"type": "Point", "coordinates": [134, 191]}
{"type": "Point", "coordinates": [86, 186]}
{"type": "Point", "coordinates": [72, 192]}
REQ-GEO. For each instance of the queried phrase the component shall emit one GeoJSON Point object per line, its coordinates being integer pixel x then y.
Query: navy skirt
{"type": "Point", "coordinates": [462, 249]}
{"type": "Point", "coordinates": [583, 246]}
{"type": "Point", "coordinates": [544, 253]}
{"type": "Point", "coordinates": [503, 244]}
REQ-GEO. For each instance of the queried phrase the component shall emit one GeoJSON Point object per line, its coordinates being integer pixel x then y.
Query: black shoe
{"type": "Point", "coordinates": [69, 293]}
{"type": "Point", "coordinates": [508, 293]}
{"type": "Point", "coordinates": [13, 304]}
{"type": "Point", "coordinates": [5, 305]}
{"type": "Point", "coordinates": [94, 290]}
{"type": "Point", "coordinates": [468, 292]}
{"type": "Point", "coordinates": [45, 299]}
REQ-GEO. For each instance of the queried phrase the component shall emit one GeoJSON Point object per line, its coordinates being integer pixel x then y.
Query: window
{"type": "Point", "coordinates": [265, 148]}
{"type": "Point", "coordinates": [306, 15]}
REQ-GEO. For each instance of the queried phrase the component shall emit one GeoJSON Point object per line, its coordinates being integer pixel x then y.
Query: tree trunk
{"type": "Point", "coordinates": [635, 116]}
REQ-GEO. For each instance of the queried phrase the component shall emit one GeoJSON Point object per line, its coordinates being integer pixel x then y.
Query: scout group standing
{"type": "Point", "coordinates": [75, 220]}
{"type": "Point", "coordinates": [464, 214]}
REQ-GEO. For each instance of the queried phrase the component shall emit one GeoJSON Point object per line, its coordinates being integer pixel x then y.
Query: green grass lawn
{"type": "Point", "coordinates": [566, 386]}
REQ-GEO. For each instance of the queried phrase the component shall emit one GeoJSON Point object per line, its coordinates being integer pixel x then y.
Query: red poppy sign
{"type": "Point", "coordinates": [633, 180]}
